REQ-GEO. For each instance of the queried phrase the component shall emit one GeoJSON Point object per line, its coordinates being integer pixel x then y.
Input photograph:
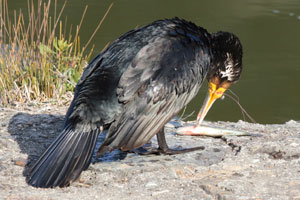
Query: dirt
{"type": "Point", "coordinates": [265, 165]}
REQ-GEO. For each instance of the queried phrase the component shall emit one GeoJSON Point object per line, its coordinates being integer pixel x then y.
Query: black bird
{"type": "Point", "coordinates": [133, 89]}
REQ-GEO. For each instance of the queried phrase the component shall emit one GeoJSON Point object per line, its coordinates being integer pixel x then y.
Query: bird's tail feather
{"type": "Point", "coordinates": [65, 159]}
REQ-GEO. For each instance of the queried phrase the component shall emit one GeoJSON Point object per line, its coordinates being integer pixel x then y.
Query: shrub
{"type": "Point", "coordinates": [39, 60]}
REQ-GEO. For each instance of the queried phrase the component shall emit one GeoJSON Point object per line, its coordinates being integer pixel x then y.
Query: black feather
{"type": "Point", "coordinates": [64, 160]}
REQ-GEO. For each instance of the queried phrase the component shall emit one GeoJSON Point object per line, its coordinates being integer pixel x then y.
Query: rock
{"type": "Point", "coordinates": [250, 167]}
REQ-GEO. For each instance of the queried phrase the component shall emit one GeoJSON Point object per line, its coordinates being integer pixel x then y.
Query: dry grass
{"type": "Point", "coordinates": [40, 58]}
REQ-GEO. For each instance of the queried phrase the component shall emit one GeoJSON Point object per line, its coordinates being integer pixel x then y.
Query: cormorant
{"type": "Point", "coordinates": [133, 88]}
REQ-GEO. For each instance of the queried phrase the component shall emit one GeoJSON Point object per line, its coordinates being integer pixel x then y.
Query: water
{"type": "Point", "coordinates": [269, 31]}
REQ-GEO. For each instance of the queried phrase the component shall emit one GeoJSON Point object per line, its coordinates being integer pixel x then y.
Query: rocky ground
{"type": "Point", "coordinates": [263, 166]}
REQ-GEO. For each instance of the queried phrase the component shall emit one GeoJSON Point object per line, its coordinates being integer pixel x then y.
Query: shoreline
{"type": "Point", "coordinates": [229, 167]}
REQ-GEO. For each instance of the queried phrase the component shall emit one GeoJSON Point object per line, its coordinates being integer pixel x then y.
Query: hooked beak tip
{"type": "Point", "coordinates": [214, 93]}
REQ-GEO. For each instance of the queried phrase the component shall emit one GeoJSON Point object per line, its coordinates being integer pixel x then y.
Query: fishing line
{"type": "Point", "coordinates": [182, 117]}
{"type": "Point", "coordinates": [189, 115]}
{"type": "Point", "coordinates": [236, 99]}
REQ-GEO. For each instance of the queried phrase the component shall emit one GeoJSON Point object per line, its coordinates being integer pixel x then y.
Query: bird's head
{"type": "Point", "coordinates": [225, 69]}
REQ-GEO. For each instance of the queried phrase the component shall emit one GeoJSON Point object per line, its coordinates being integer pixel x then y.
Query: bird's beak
{"type": "Point", "coordinates": [214, 93]}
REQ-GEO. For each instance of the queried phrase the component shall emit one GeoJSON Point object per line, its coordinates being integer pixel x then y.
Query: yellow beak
{"type": "Point", "coordinates": [214, 93]}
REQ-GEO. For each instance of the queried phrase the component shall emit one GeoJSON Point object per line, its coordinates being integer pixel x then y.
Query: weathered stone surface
{"type": "Point", "coordinates": [260, 167]}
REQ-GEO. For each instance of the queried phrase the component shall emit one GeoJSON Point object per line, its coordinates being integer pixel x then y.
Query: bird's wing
{"type": "Point", "coordinates": [163, 77]}
{"type": "Point", "coordinates": [95, 101]}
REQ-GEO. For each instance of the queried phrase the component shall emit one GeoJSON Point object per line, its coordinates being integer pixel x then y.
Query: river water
{"type": "Point", "coordinates": [268, 29]}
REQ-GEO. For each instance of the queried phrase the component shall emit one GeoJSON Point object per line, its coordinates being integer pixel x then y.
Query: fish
{"type": "Point", "coordinates": [193, 130]}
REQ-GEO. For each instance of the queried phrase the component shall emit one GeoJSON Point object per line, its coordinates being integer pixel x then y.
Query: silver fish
{"type": "Point", "coordinates": [209, 131]}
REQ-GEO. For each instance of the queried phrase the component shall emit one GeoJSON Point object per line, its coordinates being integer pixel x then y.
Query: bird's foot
{"type": "Point", "coordinates": [159, 151]}
{"type": "Point", "coordinates": [179, 151]}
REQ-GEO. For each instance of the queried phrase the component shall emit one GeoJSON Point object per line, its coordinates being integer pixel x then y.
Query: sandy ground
{"type": "Point", "coordinates": [264, 166]}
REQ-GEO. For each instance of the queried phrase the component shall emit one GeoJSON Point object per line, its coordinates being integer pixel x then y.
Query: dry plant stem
{"type": "Point", "coordinates": [56, 22]}
{"type": "Point", "coordinates": [99, 25]}
{"type": "Point", "coordinates": [44, 62]}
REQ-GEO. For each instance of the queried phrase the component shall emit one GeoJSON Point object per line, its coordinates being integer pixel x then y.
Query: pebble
{"type": "Point", "coordinates": [20, 162]}
{"type": "Point", "coordinates": [160, 192]}
{"type": "Point", "coordinates": [151, 185]}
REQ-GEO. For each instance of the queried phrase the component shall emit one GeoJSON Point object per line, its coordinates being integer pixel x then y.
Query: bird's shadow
{"type": "Point", "coordinates": [35, 132]}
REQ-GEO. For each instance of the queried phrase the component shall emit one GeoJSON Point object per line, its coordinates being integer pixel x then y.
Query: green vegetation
{"type": "Point", "coordinates": [40, 59]}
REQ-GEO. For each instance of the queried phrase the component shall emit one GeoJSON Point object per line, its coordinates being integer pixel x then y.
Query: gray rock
{"type": "Point", "coordinates": [250, 167]}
